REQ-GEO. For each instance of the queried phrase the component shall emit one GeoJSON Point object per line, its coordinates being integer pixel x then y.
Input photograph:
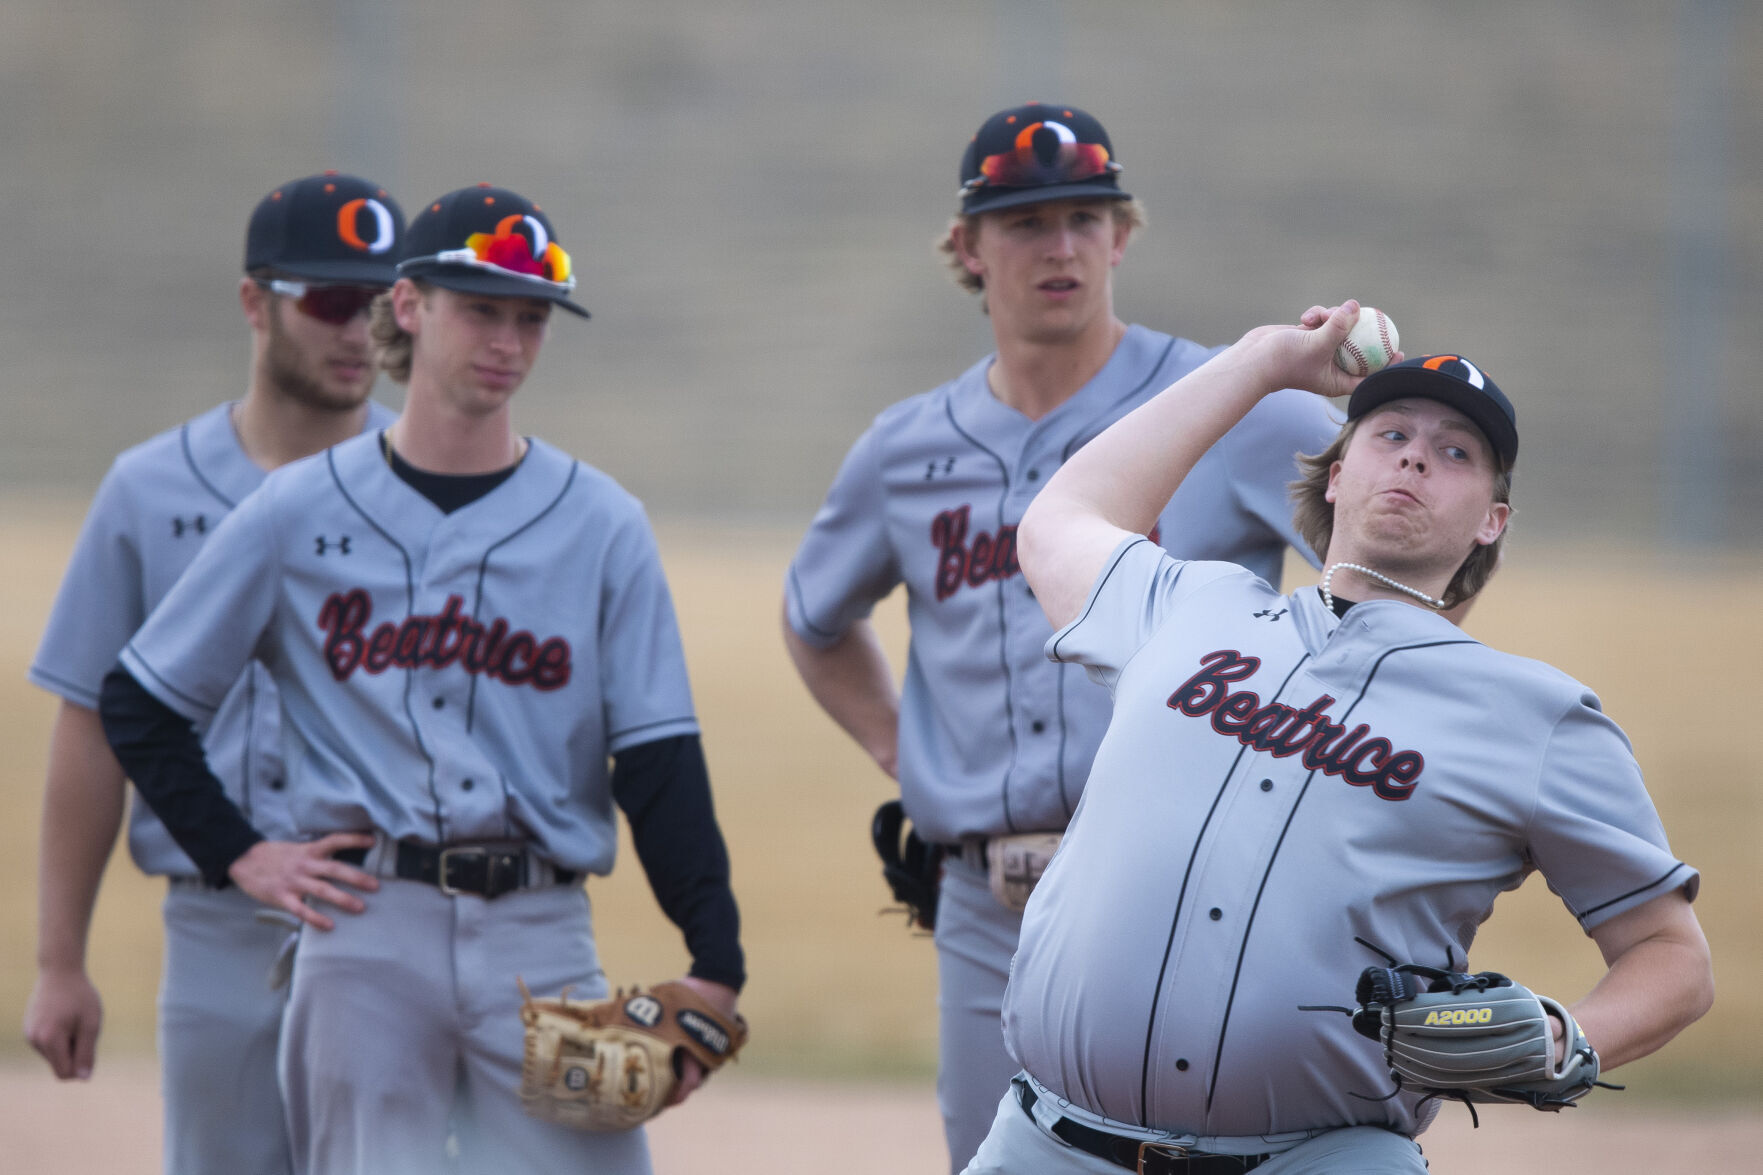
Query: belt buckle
{"type": "Point", "coordinates": [1162, 1158]}
{"type": "Point", "coordinates": [447, 854]}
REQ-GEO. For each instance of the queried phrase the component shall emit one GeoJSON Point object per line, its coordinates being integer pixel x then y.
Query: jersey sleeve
{"type": "Point", "coordinates": [1262, 458]}
{"type": "Point", "coordinates": [846, 562]}
{"type": "Point", "coordinates": [1132, 597]}
{"type": "Point", "coordinates": [1595, 835]}
{"type": "Point", "coordinates": [197, 642]}
{"type": "Point", "coordinates": [642, 662]}
{"type": "Point", "coordinates": [100, 603]}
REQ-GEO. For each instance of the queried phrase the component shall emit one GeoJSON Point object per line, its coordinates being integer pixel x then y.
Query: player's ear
{"type": "Point", "coordinates": [1122, 234]}
{"type": "Point", "coordinates": [407, 299]}
{"type": "Point", "coordinates": [1334, 475]}
{"type": "Point", "coordinates": [963, 237]}
{"type": "Point", "coordinates": [1495, 523]}
{"type": "Point", "coordinates": [254, 301]}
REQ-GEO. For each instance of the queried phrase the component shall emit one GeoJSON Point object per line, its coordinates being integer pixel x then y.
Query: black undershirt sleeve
{"type": "Point", "coordinates": [161, 752]}
{"type": "Point", "coordinates": [664, 789]}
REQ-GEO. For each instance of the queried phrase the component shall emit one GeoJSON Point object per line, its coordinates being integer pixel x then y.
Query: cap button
{"type": "Point", "coordinates": [483, 183]}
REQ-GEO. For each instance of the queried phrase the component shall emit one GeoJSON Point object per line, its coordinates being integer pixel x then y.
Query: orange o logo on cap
{"type": "Point", "coordinates": [1475, 378]}
{"type": "Point", "coordinates": [347, 230]}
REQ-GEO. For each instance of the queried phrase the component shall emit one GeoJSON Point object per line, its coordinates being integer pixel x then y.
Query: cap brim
{"type": "Point", "coordinates": [366, 273]}
{"type": "Point", "coordinates": [475, 281]}
{"type": "Point", "coordinates": [1404, 383]}
{"type": "Point", "coordinates": [991, 199]}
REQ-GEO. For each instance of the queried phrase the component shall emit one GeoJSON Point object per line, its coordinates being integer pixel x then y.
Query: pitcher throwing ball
{"type": "Point", "coordinates": [465, 625]}
{"type": "Point", "coordinates": [1306, 804]}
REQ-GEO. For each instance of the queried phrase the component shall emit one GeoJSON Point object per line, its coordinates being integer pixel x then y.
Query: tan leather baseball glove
{"type": "Point", "coordinates": [613, 1064]}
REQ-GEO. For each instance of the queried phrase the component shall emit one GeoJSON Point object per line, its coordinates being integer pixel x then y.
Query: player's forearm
{"type": "Point", "coordinates": [1127, 475]}
{"type": "Point", "coordinates": [1653, 990]}
{"type": "Point", "coordinates": [1119, 483]}
{"type": "Point", "coordinates": [663, 788]}
{"type": "Point", "coordinates": [160, 751]}
{"type": "Point", "coordinates": [854, 684]}
{"type": "Point", "coordinates": [82, 810]}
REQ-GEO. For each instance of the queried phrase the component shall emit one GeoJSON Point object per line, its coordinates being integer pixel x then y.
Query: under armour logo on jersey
{"type": "Point", "coordinates": [935, 469]}
{"type": "Point", "coordinates": [199, 524]}
{"type": "Point", "coordinates": [1269, 615]}
{"type": "Point", "coordinates": [341, 545]}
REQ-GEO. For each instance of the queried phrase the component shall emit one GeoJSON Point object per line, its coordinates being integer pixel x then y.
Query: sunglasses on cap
{"type": "Point", "coordinates": [509, 251]}
{"type": "Point", "coordinates": [1023, 167]}
{"type": "Point", "coordinates": [334, 304]}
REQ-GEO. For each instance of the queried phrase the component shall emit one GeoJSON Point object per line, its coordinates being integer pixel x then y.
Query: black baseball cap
{"type": "Point", "coordinates": [327, 228]}
{"type": "Point", "coordinates": [486, 240]}
{"type": "Point", "coordinates": [1041, 151]}
{"type": "Point", "coordinates": [1453, 381]}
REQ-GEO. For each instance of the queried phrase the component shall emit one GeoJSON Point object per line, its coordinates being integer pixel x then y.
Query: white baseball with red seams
{"type": "Point", "coordinates": [1371, 344]}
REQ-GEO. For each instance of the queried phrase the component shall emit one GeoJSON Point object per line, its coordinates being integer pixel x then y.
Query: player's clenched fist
{"type": "Point", "coordinates": [62, 1022]}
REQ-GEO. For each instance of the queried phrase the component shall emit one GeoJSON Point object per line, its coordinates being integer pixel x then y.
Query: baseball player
{"type": "Point", "coordinates": [464, 625]}
{"type": "Point", "coordinates": [991, 743]}
{"type": "Point", "coordinates": [1295, 788]}
{"type": "Point", "coordinates": [318, 250]}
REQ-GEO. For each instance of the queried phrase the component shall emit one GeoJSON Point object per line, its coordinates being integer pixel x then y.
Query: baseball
{"type": "Point", "coordinates": [1371, 344]}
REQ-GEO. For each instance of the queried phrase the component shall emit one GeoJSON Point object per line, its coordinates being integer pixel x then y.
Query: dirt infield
{"type": "Point", "coordinates": [747, 1126]}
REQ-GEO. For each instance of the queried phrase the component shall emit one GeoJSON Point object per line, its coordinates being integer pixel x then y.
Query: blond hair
{"type": "Point", "coordinates": [1313, 516]}
{"type": "Point", "coordinates": [1130, 212]}
{"type": "Point", "coordinates": [392, 344]}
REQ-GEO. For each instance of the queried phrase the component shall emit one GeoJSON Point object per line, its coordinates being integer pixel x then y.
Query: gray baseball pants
{"type": "Point", "coordinates": [219, 1021]}
{"type": "Point", "coordinates": [404, 1024]}
{"type": "Point", "coordinates": [976, 939]}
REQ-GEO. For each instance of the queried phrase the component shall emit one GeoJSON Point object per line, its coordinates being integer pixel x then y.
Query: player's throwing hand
{"type": "Point", "coordinates": [1302, 356]}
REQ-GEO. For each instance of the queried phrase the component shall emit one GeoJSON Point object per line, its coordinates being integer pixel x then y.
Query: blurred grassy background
{"type": "Point", "coordinates": [839, 989]}
{"type": "Point", "coordinates": [751, 191]}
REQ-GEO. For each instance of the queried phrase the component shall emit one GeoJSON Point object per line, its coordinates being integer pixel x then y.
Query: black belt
{"type": "Point", "coordinates": [975, 852]}
{"type": "Point", "coordinates": [472, 869]}
{"type": "Point", "coordinates": [1147, 1158]}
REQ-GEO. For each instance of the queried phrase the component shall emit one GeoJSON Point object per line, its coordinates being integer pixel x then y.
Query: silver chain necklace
{"type": "Point", "coordinates": [1380, 577]}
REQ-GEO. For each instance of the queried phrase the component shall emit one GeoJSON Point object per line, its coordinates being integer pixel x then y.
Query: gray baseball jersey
{"type": "Point", "coordinates": [444, 677]}
{"type": "Point", "coordinates": [993, 738]}
{"type": "Point", "coordinates": [152, 513]}
{"type": "Point", "coordinates": [1276, 783]}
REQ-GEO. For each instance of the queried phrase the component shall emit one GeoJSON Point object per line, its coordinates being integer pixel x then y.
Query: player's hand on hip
{"type": "Point", "coordinates": [692, 1074]}
{"type": "Point", "coordinates": [286, 875]}
{"type": "Point", "coordinates": [62, 1021]}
